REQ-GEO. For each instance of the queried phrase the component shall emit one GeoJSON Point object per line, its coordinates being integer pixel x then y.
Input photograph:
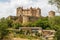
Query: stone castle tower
{"type": "Point", "coordinates": [51, 14]}
{"type": "Point", "coordinates": [28, 14]}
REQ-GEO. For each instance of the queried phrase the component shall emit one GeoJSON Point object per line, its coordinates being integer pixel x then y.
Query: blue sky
{"type": "Point", "coordinates": [8, 7]}
{"type": "Point", "coordinates": [4, 0]}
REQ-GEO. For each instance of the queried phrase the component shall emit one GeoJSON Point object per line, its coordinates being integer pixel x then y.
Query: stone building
{"type": "Point", "coordinates": [28, 15]}
{"type": "Point", "coordinates": [51, 14]}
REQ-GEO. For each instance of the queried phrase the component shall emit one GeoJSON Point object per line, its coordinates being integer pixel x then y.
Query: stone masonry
{"type": "Point", "coordinates": [28, 14]}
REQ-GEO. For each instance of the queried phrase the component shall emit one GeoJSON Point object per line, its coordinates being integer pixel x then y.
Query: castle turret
{"type": "Point", "coordinates": [19, 11]}
{"type": "Point", "coordinates": [31, 10]}
{"type": "Point", "coordinates": [51, 14]}
{"type": "Point", "coordinates": [38, 14]}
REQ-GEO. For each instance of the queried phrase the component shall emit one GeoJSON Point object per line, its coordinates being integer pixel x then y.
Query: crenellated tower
{"type": "Point", "coordinates": [19, 11]}
{"type": "Point", "coordinates": [51, 14]}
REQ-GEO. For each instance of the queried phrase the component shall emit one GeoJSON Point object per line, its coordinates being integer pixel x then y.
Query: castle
{"type": "Point", "coordinates": [29, 15]}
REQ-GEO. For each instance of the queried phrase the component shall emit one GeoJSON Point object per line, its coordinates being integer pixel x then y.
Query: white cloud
{"type": "Point", "coordinates": [9, 8]}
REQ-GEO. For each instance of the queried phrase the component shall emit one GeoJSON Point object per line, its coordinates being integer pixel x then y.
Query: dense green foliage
{"type": "Point", "coordinates": [44, 23]}
{"type": "Point", "coordinates": [4, 25]}
{"type": "Point", "coordinates": [57, 35]}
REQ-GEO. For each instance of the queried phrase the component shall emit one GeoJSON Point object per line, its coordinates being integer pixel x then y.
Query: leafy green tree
{"type": "Point", "coordinates": [9, 23]}
{"type": "Point", "coordinates": [16, 25]}
{"type": "Point", "coordinates": [54, 23]}
{"type": "Point", "coordinates": [3, 28]}
{"type": "Point", "coordinates": [42, 23]}
{"type": "Point", "coordinates": [57, 35]}
{"type": "Point", "coordinates": [56, 3]}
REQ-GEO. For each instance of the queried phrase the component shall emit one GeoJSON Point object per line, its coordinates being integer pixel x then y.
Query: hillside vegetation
{"type": "Point", "coordinates": [44, 23]}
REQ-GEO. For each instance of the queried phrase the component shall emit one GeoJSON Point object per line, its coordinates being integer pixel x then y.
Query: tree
{"type": "Point", "coordinates": [56, 3]}
{"type": "Point", "coordinates": [55, 23]}
{"type": "Point", "coordinates": [42, 23]}
{"type": "Point", "coordinates": [16, 25]}
{"type": "Point", "coordinates": [3, 28]}
{"type": "Point", "coordinates": [9, 23]}
{"type": "Point", "coordinates": [57, 35]}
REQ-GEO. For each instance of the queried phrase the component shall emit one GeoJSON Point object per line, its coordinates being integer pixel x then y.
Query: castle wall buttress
{"type": "Point", "coordinates": [25, 19]}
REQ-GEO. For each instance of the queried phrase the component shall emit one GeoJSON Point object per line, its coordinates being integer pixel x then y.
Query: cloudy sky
{"type": "Point", "coordinates": [8, 7]}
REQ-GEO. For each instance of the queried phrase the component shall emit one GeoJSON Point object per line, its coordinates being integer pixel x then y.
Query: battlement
{"type": "Point", "coordinates": [29, 12]}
